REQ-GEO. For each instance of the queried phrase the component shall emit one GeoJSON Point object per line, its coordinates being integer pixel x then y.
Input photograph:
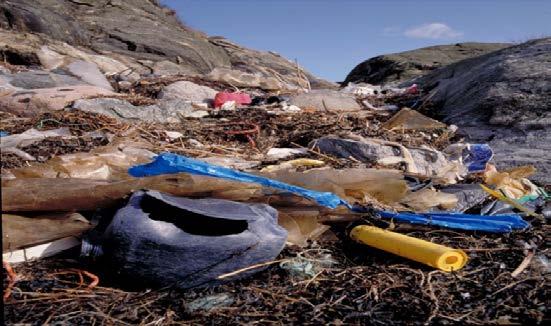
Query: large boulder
{"type": "Point", "coordinates": [502, 98]}
{"type": "Point", "coordinates": [186, 90]}
{"type": "Point", "coordinates": [399, 67]}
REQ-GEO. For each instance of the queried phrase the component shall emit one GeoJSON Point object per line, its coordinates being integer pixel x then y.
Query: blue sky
{"type": "Point", "coordinates": [330, 37]}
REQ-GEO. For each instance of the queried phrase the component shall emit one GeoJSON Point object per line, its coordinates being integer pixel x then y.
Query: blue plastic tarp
{"type": "Point", "coordinates": [4, 133]}
{"type": "Point", "coordinates": [168, 163]}
{"type": "Point", "coordinates": [476, 156]}
{"type": "Point", "coordinates": [494, 223]}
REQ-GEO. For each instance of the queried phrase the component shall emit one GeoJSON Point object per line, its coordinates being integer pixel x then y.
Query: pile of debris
{"type": "Point", "coordinates": [256, 205]}
{"type": "Point", "coordinates": [252, 205]}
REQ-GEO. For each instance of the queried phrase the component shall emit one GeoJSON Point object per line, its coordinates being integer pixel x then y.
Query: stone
{"type": "Point", "coordinates": [34, 79]}
{"type": "Point", "coordinates": [165, 240]}
{"type": "Point", "coordinates": [89, 73]}
{"type": "Point", "coordinates": [49, 58]}
{"type": "Point", "coordinates": [503, 99]}
{"type": "Point", "coordinates": [186, 90]}
{"type": "Point", "coordinates": [169, 68]}
{"type": "Point", "coordinates": [325, 100]}
{"type": "Point", "coordinates": [30, 102]}
{"type": "Point", "coordinates": [243, 79]}
{"type": "Point", "coordinates": [403, 66]}
{"type": "Point", "coordinates": [163, 112]}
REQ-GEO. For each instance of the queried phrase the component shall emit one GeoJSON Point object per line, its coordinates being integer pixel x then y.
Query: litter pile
{"type": "Point", "coordinates": [248, 205]}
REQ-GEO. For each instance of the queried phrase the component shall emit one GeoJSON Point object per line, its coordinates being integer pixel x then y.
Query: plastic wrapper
{"type": "Point", "coordinates": [512, 183]}
{"type": "Point", "coordinates": [20, 232]}
{"type": "Point", "coordinates": [168, 163]}
{"type": "Point", "coordinates": [293, 164]}
{"type": "Point", "coordinates": [474, 157]}
{"type": "Point", "coordinates": [102, 163]}
{"type": "Point", "coordinates": [355, 185]}
{"type": "Point", "coordinates": [408, 119]}
{"type": "Point", "coordinates": [32, 136]}
{"type": "Point", "coordinates": [425, 199]}
{"type": "Point", "coordinates": [301, 224]}
{"type": "Point", "coordinates": [12, 143]}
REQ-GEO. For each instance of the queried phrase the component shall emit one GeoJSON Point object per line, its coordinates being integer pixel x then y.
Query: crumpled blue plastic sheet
{"type": "Point", "coordinates": [476, 156]}
{"type": "Point", "coordinates": [4, 133]}
{"type": "Point", "coordinates": [500, 223]}
{"type": "Point", "coordinates": [169, 163]}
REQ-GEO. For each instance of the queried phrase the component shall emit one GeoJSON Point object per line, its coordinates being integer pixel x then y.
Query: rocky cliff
{"type": "Point", "coordinates": [502, 98]}
{"type": "Point", "coordinates": [398, 67]}
{"type": "Point", "coordinates": [141, 34]}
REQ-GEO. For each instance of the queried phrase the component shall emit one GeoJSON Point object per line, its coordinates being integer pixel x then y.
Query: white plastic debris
{"type": "Point", "coordinates": [173, 135]}
{"type": "Point", "coordinates": [281, 153]}
{"type": "Point", "coordinates": [229, 105]}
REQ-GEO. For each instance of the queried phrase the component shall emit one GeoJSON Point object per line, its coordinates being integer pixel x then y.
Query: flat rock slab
{"type": "Point", "coordinates": [326, 100]}
{"type": "Point", "coordinates": [29, 102]}
{"type": "Point", "coordinates": [90, 73]}
{"type": "Point", "coordinates": [34, 79]}
{"type": "Point", "coordinates": [164, 112]}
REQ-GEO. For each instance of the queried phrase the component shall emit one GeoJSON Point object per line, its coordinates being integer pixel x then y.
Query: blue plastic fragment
{"type": "Point", "coordinates": [4, 133]}
{"type": "Point", "coordinates": [501, 223]}
{"type": "Point", "coordinates": [476, 156]}
{"type": "Point", "coordinates": [168, 163]}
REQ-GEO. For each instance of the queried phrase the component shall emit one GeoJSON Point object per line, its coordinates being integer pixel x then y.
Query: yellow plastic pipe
{"type": "Point", "coordinates": [432, 254]}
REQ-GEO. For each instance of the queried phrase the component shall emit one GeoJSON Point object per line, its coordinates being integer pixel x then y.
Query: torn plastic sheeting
{"type": "Point", "coordinates": [495, 223]}
{"type": "Point", "coordinates": [473, 156]}
{"type": "Point", "coordinates": [102, 163]}
{"type": "Point", "coordinates": [32, 136]}
{"type": "Point", "coordinates": [168, 163]}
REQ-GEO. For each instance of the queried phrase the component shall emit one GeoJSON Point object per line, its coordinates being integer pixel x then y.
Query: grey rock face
{"type": "Point", "coordinates": [34, 79]}
{"type": "Point", "coordinates": [268, 64]}
{"type": "Point", "coordinates": [145, 31]}
{"type": "Point", "coordinates": [139, 29]}
{"type": "Point", "coordinates": [326, 99]}
{"type": "Point", "coordinates": [399, 67]}
{"type": "Point", "coordinates": [166, 240]}
{"type": "Point", "coordinates": [502, 98]}
{"type": "Point", "coordinates": [165, 112]}
{"type": "Point", "coordinates": [89, 73]}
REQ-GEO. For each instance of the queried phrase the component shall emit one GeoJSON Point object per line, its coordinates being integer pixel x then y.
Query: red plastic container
{"type": "Point", "coordinates": [223, 97]}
